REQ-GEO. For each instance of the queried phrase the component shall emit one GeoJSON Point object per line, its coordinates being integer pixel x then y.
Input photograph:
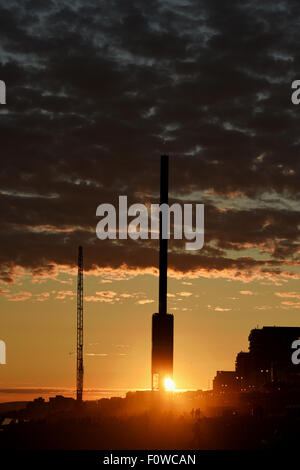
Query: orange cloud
{"type": "Point", "coordinates": [94, 298]}
{"type": "Point", "coordinates": [106, 294]}
{"type": "Point", "coordinates": [291, 304]}
{"type": "Point", "coordinates": [292, 295]}
{"type": "Point", "coordinates": [42, 296]}
{"type": "Point", "coordinates": [18, 296]}
{"type": "Point", "coordinates": [145, 301]}
{"type": "Point", "coordinates": [222, 309]}
{"type": "Point", "coordinates": [62, 294]}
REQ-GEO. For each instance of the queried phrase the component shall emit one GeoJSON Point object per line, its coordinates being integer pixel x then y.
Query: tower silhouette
{"type": "Point", "coordinates": [162, 322]}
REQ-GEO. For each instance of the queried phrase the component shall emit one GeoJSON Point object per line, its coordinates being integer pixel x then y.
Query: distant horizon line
{"type": "Point", "coordinates": [67, 389]}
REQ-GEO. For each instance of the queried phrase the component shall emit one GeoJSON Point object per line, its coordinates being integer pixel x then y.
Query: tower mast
{"type": "Point", "coordinates": [163, 242]}
{"type": "Point", "coordinates": [80, 326]}
{"type": "Point", "coordinates": [162, 322]}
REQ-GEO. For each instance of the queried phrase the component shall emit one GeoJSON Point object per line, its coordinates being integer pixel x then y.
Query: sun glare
{"type": "Point", "coordinates": [169, 384]}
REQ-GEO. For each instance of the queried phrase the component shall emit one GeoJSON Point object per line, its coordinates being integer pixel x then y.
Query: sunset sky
{"type": "Point", "coordinates": [96, 92]}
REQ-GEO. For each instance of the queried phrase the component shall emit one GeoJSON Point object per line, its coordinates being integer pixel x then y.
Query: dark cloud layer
{"type": "Point", "coordinates": [97, 90]}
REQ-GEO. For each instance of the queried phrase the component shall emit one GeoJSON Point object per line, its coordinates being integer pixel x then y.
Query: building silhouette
{"type": "Point", "coordinates": [266, 365]}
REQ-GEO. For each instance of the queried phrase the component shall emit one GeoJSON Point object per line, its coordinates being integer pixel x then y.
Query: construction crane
{"type": "Point", "coordinates": [80, 326]}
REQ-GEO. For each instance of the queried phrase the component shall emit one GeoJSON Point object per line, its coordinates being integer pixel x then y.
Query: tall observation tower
{"type": "Point", "coordinates": [162, 322]}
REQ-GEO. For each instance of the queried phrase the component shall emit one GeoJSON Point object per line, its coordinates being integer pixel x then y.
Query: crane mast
{"type": "Point", "coordinates": [80, 326]}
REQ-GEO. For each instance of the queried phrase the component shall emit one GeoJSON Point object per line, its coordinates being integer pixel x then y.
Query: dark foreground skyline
{"type": "Point", "coordinates": [254, 407]}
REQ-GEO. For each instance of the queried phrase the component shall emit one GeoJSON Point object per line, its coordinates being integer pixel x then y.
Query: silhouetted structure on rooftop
{"type": "Point", "coordinates": [226, 380]}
